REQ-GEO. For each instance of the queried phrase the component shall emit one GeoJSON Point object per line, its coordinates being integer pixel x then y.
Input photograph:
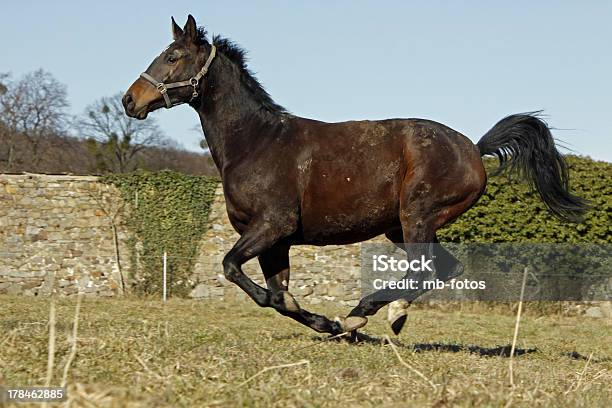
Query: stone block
{"type": "Point", "coordinates": [14, 289]}
{"type": "Point", "coordinates": [302, 291]}
{"type": "Point", "coordinates": [594, 311]}
{"type": "Point", "coordinates": [200, 291]}
{"type": "Point", "coordinates": [335, 290]}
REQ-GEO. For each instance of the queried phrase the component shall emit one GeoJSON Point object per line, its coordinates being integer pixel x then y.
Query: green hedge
{"type": "Point", "coordinates": [167, 211]}
{"type": "Point", "coordinates": [510, 212]}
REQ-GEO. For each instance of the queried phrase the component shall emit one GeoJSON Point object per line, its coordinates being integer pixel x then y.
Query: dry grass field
{"type": "Point", "coordinates": [142, 353]}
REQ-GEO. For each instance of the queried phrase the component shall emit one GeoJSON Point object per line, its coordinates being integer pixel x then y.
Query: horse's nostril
{"type": "Point", "coordinates": [128, 102]}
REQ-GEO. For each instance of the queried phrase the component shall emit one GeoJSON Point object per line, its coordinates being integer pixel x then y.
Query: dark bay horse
{"type": "Point", "coordinates": [294, 181]}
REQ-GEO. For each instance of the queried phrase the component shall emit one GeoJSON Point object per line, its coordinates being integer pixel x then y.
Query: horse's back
{"type": "Point", "coordinates": [351, 174]}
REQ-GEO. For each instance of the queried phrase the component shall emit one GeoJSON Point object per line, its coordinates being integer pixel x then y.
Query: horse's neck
{"type": "Point", "coordinates": [229, 113]}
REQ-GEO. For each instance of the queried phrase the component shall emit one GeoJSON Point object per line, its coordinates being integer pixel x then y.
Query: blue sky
{"type": "Point", "coordinates": [463, 63]}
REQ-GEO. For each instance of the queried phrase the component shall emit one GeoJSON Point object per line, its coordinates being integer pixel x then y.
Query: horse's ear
{"type": "Point", "coordinates": [191, 29]}
{"type": "Point", "coordinates": [177, 32]}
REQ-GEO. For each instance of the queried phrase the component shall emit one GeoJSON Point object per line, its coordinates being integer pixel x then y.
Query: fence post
{"type": "Point", "coordinates": [164, 290]}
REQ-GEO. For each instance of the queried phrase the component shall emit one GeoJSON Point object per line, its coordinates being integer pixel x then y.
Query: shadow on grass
{"type": "Point", "coordinates": [499, 351]}
{"type": "Point", "coordinates": [577, 356]}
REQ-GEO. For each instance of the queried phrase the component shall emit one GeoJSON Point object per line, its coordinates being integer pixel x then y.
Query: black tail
{"type": "Point", "coordinates": [523, 143]}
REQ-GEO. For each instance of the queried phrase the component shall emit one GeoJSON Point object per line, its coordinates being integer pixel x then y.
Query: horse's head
{"type": "Point", "coordinates": [174, 76]}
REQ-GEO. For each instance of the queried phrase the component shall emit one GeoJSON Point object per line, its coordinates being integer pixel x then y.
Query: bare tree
{"type": "Point", "coordinates": [116, 139]}
{"type": "Point", "coordinates": [32, 108]}
{"type": "Point", "coordinates": [4, 77]}
{"type": "Point", "coordinates": [35, 127]}
{"type": "Point", "coordinates": [4, 131]}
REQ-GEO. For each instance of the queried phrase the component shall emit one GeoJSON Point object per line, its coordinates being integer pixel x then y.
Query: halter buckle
{"type": "Point", "coordinates": [194, 83]}
{"type": "Point", "coordinates": [161, 87]}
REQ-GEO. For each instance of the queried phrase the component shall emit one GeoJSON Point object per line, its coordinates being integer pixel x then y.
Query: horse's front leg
{"type": "Point", "coordinates": [274, 263]}
{"type": "Point", "coordinates": [251, 243]}
{"type": "Point", "coordinates": [261, 239]}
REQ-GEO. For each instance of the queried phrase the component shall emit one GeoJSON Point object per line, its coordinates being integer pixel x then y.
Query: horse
{"type": "Point", "coordinates": [290, 180]}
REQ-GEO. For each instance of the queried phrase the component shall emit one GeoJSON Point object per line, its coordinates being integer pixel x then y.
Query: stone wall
{"type": "Point", "coordinates": [57, 232]}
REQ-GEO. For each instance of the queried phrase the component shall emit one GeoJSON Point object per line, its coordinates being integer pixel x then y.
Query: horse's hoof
{"type": "Point", "coordinates": [398, 324]}
{"type": "Point", "coordinates": [352, 323]}
{"type": "Point", "coordinates": [397, 314]}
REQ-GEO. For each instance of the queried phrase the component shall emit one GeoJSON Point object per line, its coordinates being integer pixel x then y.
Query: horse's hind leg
{"type": "Point", "coordinates": [397, 312]}
{"type": "Point", "coordinates": [446, 266]}
{"type": "Point", "coordinates": [418, 231]}
{"type": "Point", "coordinates": [275, 265]}
{"type": "Point", "coordinates": [421, 214]}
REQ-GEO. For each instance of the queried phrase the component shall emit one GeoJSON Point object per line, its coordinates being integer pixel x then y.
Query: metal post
{"type": "Point", "coordinates": [164, 277]}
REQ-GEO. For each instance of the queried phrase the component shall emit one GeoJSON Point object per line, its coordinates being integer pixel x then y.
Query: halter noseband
{"type": "Point", "coordinates": [193, 81]}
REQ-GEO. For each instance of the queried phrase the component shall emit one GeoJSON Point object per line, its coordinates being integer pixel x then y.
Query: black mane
{"type": "Point", "coordinates": [237, 55]}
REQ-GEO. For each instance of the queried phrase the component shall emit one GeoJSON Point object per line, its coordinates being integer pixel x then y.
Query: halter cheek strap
{"type": "Point", "coordinates": [194, 81]}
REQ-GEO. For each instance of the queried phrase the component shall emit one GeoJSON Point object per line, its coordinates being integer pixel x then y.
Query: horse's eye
{"type": "Point", "coordinates": [171, 59]}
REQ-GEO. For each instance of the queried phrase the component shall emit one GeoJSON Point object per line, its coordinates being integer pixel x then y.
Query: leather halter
{"type": "Point", "coordinates": [193, 81]}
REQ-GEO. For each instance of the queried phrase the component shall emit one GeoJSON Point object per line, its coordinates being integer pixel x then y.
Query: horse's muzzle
{"type": "Point", "coordinates": [129, 105]}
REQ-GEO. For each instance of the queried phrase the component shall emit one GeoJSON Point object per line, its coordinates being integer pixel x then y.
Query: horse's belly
{"type": "Point", "coordinates": [350, 219]}
{"type": "Point", "coordinates": [332, 234]}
